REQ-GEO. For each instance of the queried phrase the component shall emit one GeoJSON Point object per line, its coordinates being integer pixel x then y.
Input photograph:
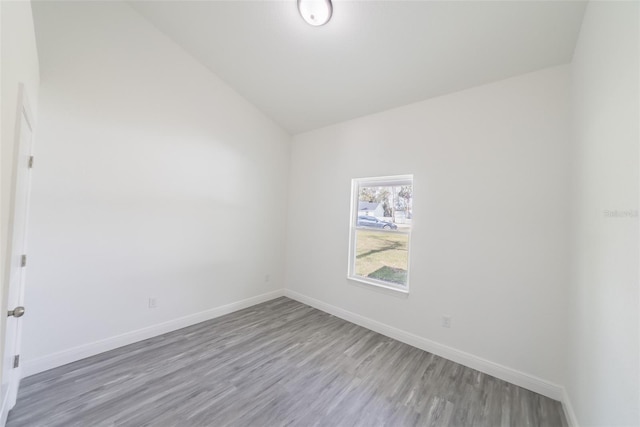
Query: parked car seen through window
{"type": "Point", "coordinates": [373, 222]}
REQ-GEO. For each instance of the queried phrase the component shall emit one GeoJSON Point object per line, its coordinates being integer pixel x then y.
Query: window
{"type": "Point", "coordinates": [381, 215]}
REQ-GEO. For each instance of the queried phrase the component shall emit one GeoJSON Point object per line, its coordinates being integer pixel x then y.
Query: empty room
{"type": "Point", "coordinates": [320, 213]}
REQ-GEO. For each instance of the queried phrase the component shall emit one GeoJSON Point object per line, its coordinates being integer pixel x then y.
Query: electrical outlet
{"type": "Point", "coordinates": [153, 302]}
{"type": "Point", "coordinates": [446, 321]}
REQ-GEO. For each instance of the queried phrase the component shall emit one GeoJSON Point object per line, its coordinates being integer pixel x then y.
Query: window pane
{"type": "Point", "coordinates": [382, 256]}
{"type": "Point", "coordinates": [390, 204]}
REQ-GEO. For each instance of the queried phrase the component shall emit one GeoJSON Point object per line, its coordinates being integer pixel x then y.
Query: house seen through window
{"type": "Point", "coordinates": [381, 216]}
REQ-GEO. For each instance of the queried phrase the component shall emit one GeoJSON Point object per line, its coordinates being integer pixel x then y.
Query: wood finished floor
{"type": "Point", "coordinates": [276, 363]}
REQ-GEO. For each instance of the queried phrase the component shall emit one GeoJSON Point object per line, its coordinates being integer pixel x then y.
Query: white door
{"type": "Point", "coordinates": [17, 253]}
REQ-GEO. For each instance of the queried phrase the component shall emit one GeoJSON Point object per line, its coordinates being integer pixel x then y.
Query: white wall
{"type": "Point", "coordinates": [489, 245]}
{"type": "Point", "coordinates": [153, 179]}
{"type": "Point", "coordinates": [603, 369]}
{"type": "Point", "coordinates": [19, 65]}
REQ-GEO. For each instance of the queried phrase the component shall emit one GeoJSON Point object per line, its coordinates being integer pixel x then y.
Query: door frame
{"type": "Point", "coordinates": [9, 387]}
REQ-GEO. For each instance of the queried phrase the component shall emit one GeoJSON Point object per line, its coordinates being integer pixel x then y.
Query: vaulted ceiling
{"type": "Point", "coordinates": [372, 55]}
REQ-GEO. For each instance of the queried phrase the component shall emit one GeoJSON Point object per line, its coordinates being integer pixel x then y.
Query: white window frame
{"type": "Point", "coordinates": [382, 181]}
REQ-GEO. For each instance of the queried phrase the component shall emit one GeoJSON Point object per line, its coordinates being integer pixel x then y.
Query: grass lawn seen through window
{"type": "Point", "coordinates": [382, 256]}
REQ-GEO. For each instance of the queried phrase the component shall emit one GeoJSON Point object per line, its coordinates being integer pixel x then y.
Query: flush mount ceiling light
{"type": "Point", "coordinates": [315, 12]}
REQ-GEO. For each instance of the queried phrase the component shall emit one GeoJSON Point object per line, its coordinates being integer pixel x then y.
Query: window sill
{"type": "Point", "coordinates": [362, 280]}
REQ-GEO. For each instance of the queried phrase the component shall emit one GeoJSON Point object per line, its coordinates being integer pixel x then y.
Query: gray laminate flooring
{"type": "Point", "coordinates": [276, 363]}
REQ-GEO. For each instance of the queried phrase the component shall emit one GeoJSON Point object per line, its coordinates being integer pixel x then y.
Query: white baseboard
{"type": "Point", "coordinates": [568, 409]}
{"type": "Point", "coordinates": [54, 360]}
{"type": "Point", "coordinates": [530, 382]}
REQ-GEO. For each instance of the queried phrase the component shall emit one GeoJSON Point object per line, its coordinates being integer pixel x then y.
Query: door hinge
{"type": "Point", "coordinates": [23, 261]}
{"type": "Point", "coordinates": [16, 360]}
{"type": "Point", "coordinates": [30, 161]}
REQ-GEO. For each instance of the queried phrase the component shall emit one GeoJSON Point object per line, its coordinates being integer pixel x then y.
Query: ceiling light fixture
{"type": "Point", "coordinates": [315, 12]}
